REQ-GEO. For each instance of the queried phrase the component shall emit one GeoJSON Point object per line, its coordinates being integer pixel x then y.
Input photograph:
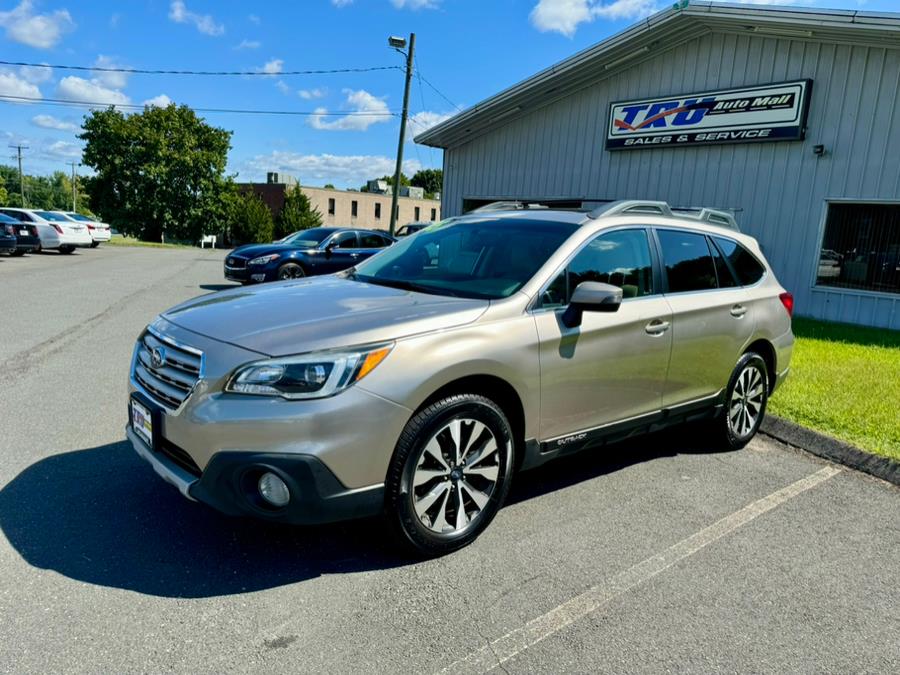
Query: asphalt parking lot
{"type": "Point", "coordinates": [656, 555]}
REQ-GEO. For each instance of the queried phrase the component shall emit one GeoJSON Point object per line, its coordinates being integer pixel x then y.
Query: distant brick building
{"type": "Point", "coordinates": [346, 208]}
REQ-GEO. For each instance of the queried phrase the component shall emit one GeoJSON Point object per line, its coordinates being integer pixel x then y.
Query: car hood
{"type": "Point", "coordinates": [293, 317]}
{"type": "Point", "coordinates": [256, 250]}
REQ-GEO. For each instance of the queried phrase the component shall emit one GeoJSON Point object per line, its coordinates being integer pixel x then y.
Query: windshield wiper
{"type": "Point", "coordinates": [405, 285]}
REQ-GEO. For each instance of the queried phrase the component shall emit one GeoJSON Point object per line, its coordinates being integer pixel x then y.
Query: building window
{"type": "Point", "coordinates": [331, 206]}
{"type": "Point", "coordinates": [354, 208]}
{"type": "Point", "coordinates": [433, 214]}
{"type": "Point", "coordinates": [417, 214]}
{"type": "Point", "coordinates": [861, 248]}
{"type": "Point", "coordinates": [377, 210]}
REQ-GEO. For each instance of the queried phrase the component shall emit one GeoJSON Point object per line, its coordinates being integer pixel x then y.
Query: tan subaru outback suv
{"type": "Point", "coordinates": [418, 382]}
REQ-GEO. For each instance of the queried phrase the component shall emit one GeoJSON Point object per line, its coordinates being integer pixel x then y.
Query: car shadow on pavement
{"type": "Point", "coordinates": [103, 517]}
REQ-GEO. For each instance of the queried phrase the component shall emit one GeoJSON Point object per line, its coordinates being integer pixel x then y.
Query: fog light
{"type": "Point", "coordinates": [274, 490]}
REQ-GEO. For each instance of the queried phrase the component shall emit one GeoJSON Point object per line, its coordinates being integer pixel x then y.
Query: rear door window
{"type": "Point", "coordinates": [345, 240]}
{"type": "Point", "coordinates": [688, 261]}
{"type": "Point", "coordinates": [723, 271]}
{"type": "Point", "coordinates": [748, 269]}
{"type": "Point", "coordinates": [371, 240]}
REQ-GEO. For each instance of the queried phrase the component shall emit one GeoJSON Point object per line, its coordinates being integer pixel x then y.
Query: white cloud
{"type": "Point", "coordinates": [423, 121]}
{"type": "Point", "coordinates": [205, 23]}
{"type": "Point", "coordinates": [90, 91]}
{"type": "Point", "coordinates": [35, 74]}
{"type": "Point", "coordinates": [367, 109]}
{"type": "Point", "coordinates": [341, 3]}
{"type": "Point", "coordinates": [51, 122]}
{"type": "Point", "coordinates": [415, 4]}
{"type": "Point", "coordinates": [283, 87]}
{"type": "Point", "coordinates": [36, 30]}
{"type": "Point", "coordinates": [160, 101]}
{"type": "Point", "coordinates": [253, 19]}
{"type": "Point", "coordinates": [350, 170]}
{"type": "Point", "coordinates": [13, 85]}
{"type": "Point", "coordinates": [310, 94]}
{"type": "Point", "coordinates": [564, 16]}
{"type": "Point", "coordinates": [272, 67]}
{"type": "Point", "coordinates": [248, 44]}
{"type": "Point", "coordinates": [63, 149]}
{"type": "Point", "coordinates": [114, 19]}
{"type": "Point", "coordinates": [106, 78]}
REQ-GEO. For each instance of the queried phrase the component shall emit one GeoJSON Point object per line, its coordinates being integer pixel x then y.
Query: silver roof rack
{"type": "Point", "coordinates": [658, 208]}
{"type": "Point", "coordinates": [511, 205]}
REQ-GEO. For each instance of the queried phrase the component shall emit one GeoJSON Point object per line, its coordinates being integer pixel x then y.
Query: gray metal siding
{"type": "Point", "coordinates": [780, 188]}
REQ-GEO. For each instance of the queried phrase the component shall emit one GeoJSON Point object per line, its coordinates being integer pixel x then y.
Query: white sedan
{"type": "Point", "coordinates": [100, 232]}
{"type": "Point", "coordinates": [55, 231]}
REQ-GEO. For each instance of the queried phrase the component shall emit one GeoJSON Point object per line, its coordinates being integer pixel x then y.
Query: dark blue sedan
{"type": "Point", "coordinates": [321, 250]}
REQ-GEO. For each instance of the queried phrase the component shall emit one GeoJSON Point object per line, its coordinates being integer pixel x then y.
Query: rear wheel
{"type": "Point", "coordinates": [18, 253]}
{"type": "Point", "coordinates": [290, 271]}
{"type": "Point", "coordinates": [745, 403]}
{"type": "Point", "coordinates": [450, 474]}
{"type": "Point", "coordinates": [95, 244]}
{"type": "Point", "coordinates": [66, 249]}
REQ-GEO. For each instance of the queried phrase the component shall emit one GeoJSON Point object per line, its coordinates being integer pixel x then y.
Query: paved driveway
{"type": "Point", "coordinates": [657, 555]}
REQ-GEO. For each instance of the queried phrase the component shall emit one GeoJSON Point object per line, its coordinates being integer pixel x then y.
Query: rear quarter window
{"type": "Point", "coordinates": [745, 265]}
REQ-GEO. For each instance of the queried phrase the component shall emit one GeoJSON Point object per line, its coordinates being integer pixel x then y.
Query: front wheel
{"type": "Point", "coordinates": [745, 403]}
{"type": "Point", "coordinates": [450, 474]}
{"type": "Point", "coordinates": [18, 253]}
{"type": "Point", "coordinates": [290, 271]}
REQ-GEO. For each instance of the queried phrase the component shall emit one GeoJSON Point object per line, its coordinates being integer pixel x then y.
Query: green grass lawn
{"type": "Point", "coordinates": [120, 240]}
{"type": "Point", "coordinates": [845, 382]}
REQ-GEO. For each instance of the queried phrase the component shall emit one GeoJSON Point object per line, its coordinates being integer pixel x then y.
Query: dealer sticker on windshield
{"type": "Point", "coordinates": [142, 422]}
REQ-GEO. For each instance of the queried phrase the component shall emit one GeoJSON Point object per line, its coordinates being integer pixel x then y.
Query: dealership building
{"type": "Point", "coordinates": [786, 117]}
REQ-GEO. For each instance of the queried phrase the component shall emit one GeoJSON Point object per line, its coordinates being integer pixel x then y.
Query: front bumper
{"type": "Point", "coordinates": [229, 485]}
{"type": "Point", "coordinates": [335, 451]}
{"type": "Point", "coordinates": [248, 275]}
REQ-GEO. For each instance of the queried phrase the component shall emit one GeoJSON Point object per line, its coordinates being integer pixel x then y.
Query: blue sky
{"type": "Point", "coordinates": [468, 49]}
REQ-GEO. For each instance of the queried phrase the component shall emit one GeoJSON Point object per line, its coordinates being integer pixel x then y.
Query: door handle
{"type": "Point", "coordinates": [657, 327]}
{"type": "Point", "coordinates": [738, 311]}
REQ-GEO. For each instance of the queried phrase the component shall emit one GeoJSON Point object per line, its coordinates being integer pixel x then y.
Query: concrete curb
{"type": "Point", "coordinates": [830, 448]}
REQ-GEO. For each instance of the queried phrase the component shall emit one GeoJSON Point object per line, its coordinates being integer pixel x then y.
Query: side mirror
{"type": "Point", "coordinates": [328, 249]}
{"type": "Point", "coordinates": [591, 296]}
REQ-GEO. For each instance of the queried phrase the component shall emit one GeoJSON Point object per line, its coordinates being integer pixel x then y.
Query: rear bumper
{"type": "Point", "coordinates": [229, 485]}
{"type": "Point", "coordinates": [7, 245]}
{"type": "Point", "coordinates": [83, 239]}
{"type": "Point", "coordinates": [100, 235]}
{"type": "Point", "coordinates": [27, 243]}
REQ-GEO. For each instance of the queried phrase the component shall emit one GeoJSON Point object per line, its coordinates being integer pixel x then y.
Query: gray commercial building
{"type": "Point", "coordinates": [788, 117]}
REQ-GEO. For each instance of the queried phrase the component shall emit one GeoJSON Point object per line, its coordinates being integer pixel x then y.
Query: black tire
{"type": "Point", "coordinates": [66, 249]}
{"type": "Point", "coordinates": [290, 270]}
{"type": "Point", "coordinates": [17, 254]}
{"type": "Point", "coordinates": [430, 424]}
{"type": "Point", "coordinates": [95, 244]}
{"type": "Point", "coordinates": [724, 429]}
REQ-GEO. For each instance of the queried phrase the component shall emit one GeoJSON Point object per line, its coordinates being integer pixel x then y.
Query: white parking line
{"type": "Point", "coordinates": [504, 648]}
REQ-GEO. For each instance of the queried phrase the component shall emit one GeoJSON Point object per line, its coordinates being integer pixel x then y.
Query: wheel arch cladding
{"type": "Point", "coordinates": [767, 351]}
{"type": "Point", "coordinates": [500, 392]}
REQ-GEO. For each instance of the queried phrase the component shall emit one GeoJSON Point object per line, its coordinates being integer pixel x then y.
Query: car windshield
{"type": "Point", "coordinates": [488, 258]}
{"type": "Point", "coordinates": [308, 238]}
{"type": "Point", "coordinates": [49, 215]}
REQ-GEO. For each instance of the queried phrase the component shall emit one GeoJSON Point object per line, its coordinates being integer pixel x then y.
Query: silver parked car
{"type": "Point", "coordinates": [416, 383]}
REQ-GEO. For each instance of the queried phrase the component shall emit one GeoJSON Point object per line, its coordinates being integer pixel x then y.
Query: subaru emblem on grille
{"type": "Point", "coordinates": [158, 357]}
{"type": "Point", "coordinates": [231, 261]}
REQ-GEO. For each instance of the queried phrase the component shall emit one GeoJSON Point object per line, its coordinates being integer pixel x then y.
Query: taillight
{"type": "Point", "coordinates": [89, 226]}
{"type": "Point", "coordinates": [57, 228]}
{"type": "Point", "coordinates": [10, 229]}
{"type": "Point", "coordinates": [787, 299]}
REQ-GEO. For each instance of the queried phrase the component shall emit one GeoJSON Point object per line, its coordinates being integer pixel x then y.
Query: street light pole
{"type": "Point", "coordinates": [395, 42]}
{"type": "Point", "coordinates": [19, 149]}
{"type": "Point", "coordinates": [74, 193]}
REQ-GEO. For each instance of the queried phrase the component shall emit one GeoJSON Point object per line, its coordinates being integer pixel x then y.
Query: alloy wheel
{"type": "Point", "coordinates": [455, 476]}
{"type": "Point", "coordinates": [747, 400]}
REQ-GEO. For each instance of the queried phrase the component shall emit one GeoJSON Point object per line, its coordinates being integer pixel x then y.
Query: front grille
{"type": "Point", "coordinates": [170, 379]}
{"type": "Point", "coordinates": [236, 263]}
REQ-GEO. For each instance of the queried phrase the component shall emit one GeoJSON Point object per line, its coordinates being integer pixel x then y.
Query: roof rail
{"type": "Point", "coordinates": [625, 206]}
{"type": "Point", "coordinates": [718, 217]}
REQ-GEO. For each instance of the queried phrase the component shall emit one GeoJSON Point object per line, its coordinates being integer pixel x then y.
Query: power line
{"type": "Point", "coordinates": [439, 92]}
{"type": "Point", "coordinates": [152, 71]}
{"type": "Point", "coordinates": [4, 98]}
{"type": "Point", "coordinates": [422, 99]}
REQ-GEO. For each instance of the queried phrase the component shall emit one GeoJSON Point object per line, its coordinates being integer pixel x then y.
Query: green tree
{"type": "Point", "coordinates": [159, 173]}
{"type": "Point", "coordinates": [3, 194]}
{"type": "Point", "coordinates": [297, 214]}
{"type": "Point", "coordinates": [430, 180]}
{"type": "Point", "coordinates": [247, 218]}
{"type": "Point", "coordinates": [329, 186]}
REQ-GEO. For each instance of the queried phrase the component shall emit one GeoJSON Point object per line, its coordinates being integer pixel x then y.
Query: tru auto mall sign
{"type": "Point", "coordinates": [772, 112]}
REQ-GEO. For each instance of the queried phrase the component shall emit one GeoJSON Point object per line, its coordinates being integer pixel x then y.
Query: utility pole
{"type": "Point", "coordinates": [19, 149]}
{"type": "Point", "coordinates": [398, 43]}
{"type": "Point", "coordinates": [74, 189]}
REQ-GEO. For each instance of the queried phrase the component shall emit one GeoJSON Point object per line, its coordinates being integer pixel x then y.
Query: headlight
{"type": "Point", "coordinates": [263, 259]}
{"type": "Point", "coordinates": [315, 375]}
